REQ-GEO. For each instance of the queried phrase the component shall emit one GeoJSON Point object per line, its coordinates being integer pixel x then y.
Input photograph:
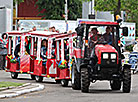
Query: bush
{"type": "Point", "coordinates": [129, 48]}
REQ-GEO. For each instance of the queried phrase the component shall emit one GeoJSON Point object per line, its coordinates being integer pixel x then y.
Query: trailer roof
{"type": "Point", "coordinates": [43, 33]}
{"type": "Point", "coordinates": [35, 33]}
{"type": "Point", "coordinates": [15, 32]}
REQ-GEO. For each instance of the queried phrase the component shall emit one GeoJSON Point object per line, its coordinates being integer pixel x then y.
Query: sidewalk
{"type": "Point", "coordinates": [16, 91]}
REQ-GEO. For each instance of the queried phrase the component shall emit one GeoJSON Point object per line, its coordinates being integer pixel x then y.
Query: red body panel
{"type": "Point", "coordinates": [64, 73]}
{"type": "Point", "coordinates": [14, 67]}
{"type": "Point", "coordinates": [37, 68]}
{"type": "Point", "coordinates": [8, 63]}
{"type": "Point", "coordinates": [25, 63]}
{"type": "Point", "coordinates": [78, 53]}
{"type": "Point", "coordinates": [32, 64]}
{"type": "Point", "coordinates": [51, 67]}
{"type": "Point", "coordinates": [100, 48]}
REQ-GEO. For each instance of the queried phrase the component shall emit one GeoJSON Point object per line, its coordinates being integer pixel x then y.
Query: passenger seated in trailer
{"type": "Point", "coordinates": [66, 49]}
{"type": "Point", "coordinates": [27, 45]}
{"type": "Point", "coordinates": [44, 51]}
{"type": "Point", "coordinates": [35, 48]}
{"type": "Point", "coordinates": [17, 51]}
{"type": "Point", "coordinates": [53, 50]}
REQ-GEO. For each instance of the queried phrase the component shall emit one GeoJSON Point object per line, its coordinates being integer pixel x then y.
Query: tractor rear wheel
{"type": "Point", "coordinates": [76, 83]}
{"type": "Point", "coordinates": [85, 82]}
{"type": "Point", "coordinates": [127, 80]}
{"type": "Point", "coordinates": [115, 84]}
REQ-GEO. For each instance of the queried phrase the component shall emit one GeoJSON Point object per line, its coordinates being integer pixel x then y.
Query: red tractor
{"type": "Point", "coordinates": [104, 62]}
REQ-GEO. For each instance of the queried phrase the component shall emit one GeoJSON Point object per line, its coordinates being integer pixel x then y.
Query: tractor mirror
{"type": "Point", "coordinates": [125, 31]}
{"type": "Point", "coordinates": [80, 30]}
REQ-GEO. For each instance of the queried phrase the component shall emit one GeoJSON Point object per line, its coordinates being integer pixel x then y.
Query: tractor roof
{"type": "Point", "coordinates": [98, 22]}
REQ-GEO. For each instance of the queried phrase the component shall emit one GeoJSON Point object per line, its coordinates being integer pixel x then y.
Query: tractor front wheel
{"type": "Point", "coordinates": [85, 82]}
{"type": "Point", "coordinates": [127, 80]}
{"type": "Point", "coordinates": [76, 82]}
{"type": "Point", "coordinates": [115, 84]}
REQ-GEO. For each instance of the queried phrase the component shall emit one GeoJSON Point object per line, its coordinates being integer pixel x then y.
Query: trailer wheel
{"type": "Point", "coordinates": [127, 80]}
{"type": "Point", "coordinates": [38, 78]}
{"type": "Point", "coordinates": [58, 81]}
{"type": "Point", "coordinates": [64, 83]}
{"type": "Point", "coordinates": [76, 83]}
{"type": "Point", "coordinates": [85, 82]}
{"type": "Point", "coordinates": [14, 75]}
{"type": "Point", "coordinates": [32, 77]}
{"type": "Point", "coordinates": [115, 84]}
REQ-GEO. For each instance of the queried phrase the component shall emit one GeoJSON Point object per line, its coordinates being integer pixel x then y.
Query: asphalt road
{"type": "Point", "coordinates": [99, 92]}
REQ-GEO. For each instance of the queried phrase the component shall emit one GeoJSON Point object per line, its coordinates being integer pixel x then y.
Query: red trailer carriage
{"type": "Point", "coordinates": [55, 55]}
{"type": "Point", "coordinates": [48, 69]}
{"type": "Point", "coordinates": [65, 53]}
{"type": "Point", "coordinates": [59, 52]}
{"type": "Point", "coordinates": [28, 59]}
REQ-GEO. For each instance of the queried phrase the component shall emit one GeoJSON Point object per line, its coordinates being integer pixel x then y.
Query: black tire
{"type": "Point", "coordinates": [64, 83]}
{"type": "Point", "coordinates": [76, 81]}
{"type": "Point", "coordinates": [115, 84]}
{"type": "Point", "coordinates": [127, 80]}
{"type": "Point", "coordinates": [14, 75]}
{"type": "Point", "coordinates": [85, 82]}
{"type": "Point", "coordinates": [38, 78]}
{"type": "Point", "coordinates": [32, 77]}
{"type": "Point", "coordinates": [58, 81]}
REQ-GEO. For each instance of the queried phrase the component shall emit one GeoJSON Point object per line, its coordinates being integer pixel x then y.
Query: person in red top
{"type": "Point", "coordinates": [93, 39]}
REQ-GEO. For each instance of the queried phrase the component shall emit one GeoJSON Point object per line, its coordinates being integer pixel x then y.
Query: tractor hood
{"type": "Point", "coordinates": [100, 48]}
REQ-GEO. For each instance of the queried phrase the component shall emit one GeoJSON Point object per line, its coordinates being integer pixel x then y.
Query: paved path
{"type": "Point", "coordinates": [99, 92]}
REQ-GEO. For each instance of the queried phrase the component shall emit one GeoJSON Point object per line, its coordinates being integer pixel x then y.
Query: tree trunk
{"type": "Point", "coordinates": [117, 11]}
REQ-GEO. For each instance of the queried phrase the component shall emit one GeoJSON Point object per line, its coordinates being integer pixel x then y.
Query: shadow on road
{"type": "Point", "coordinates": [99, 91]}
{"type": "Point", "coordinates": [24, 79]}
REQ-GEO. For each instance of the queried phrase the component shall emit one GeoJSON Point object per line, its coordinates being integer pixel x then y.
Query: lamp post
{"type": "Point", "coordinates": [66, 14]}
{"type": "Point", "coordinates": [91, 13]}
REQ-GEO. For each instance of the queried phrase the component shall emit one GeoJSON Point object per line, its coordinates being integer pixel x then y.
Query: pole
{"type": "Point", "coordinates": [66, 14]}
{"type": "Point", "coordinates": [93, 7]}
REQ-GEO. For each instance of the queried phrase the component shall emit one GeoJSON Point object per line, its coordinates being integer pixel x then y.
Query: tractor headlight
{"type": "Point", "coordinates": [113, 56]}
{"type": "Point", "coordinates": [105, 56]}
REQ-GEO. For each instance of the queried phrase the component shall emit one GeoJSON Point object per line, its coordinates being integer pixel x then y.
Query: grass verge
{"type": "Point", "coordinates": [7, 84]}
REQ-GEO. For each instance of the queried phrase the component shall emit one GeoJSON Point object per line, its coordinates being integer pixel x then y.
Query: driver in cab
{"type": "Point", "coordinates": [93, 39]}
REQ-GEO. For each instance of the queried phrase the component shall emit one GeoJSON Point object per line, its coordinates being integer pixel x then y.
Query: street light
{"type": "Point", "coordinates": [66, 14]}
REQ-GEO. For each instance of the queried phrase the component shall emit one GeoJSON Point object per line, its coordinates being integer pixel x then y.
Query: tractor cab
{"type": "Point", "coordinates": [98, 56]}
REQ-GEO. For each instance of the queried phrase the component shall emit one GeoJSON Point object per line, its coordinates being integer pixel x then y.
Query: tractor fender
{"type": "Point", "coordinates": [83, 65]}
{"type": "Point", "coordinates": [77, 62]}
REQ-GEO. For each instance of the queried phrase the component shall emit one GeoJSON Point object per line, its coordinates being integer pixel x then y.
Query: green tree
{"type": "Point", "coordinates": [116, 6]}
{"type": "Point", "coordinates": [55, 9]}
{"type": "Point", "coordinates": [18, 1]}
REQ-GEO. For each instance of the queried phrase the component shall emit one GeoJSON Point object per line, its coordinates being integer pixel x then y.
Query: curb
{"type": "Point", "coordinates": [40, 87]}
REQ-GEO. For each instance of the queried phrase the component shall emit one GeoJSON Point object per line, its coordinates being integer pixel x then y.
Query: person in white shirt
{"type": "Point", "coordinates": [135, 48]}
